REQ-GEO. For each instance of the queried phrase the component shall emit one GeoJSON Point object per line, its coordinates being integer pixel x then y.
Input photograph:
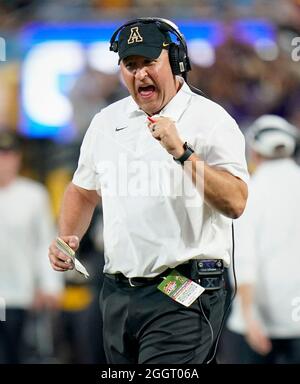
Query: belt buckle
{"type": "Point", "coordinates": [130, 282]}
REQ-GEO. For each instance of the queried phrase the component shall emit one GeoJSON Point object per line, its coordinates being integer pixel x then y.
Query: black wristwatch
{"type": "Point", "coordinates": [188, 151]}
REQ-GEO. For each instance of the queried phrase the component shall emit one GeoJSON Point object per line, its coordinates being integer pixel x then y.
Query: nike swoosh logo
{"type": "Point", "coordinates": [120, 129]}
{"type": "Point", "coordinates": [165, 44]}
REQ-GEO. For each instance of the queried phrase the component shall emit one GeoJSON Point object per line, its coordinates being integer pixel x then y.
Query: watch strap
{"type": "Point", "coordinates": [187, 153]}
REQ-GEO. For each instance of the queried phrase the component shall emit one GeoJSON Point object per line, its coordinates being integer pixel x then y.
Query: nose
{"type": "Point", "coordinates": [141, 73]}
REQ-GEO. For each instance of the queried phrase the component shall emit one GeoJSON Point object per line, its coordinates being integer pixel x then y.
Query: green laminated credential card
{"type": "Point", "coordinates": [180, 288]}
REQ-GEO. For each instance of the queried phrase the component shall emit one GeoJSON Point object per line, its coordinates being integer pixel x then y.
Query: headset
{"type": "Point", "coordinates": [178, 52]}
{"type": "Point", "coordinates": [285, 146]}
{"type": "Point", "coordinates": [262, 131]}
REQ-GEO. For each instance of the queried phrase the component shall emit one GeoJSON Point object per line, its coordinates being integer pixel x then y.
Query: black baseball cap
{"type": "Point", "coordinates": [9, 141]}
{"type": "Point", "coordinates": [142, 39]}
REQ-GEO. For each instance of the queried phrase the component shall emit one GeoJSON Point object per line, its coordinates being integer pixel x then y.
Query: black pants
{"type": "Point", "coordinates": [142, 325]}
{"type": "Point", "coordinates": [236, 350]}
{"type": "Point", "coordinates": [11, 336]}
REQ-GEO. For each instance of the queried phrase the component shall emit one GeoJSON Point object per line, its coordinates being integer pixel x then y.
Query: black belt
{"type": "Point", "coordinates": [135, 281]}
{"type": "Point", "coordinates": [209, 275]}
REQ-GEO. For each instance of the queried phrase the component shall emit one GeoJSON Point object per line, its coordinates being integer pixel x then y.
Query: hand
{"type": "Point", "coordinates": [43, 300]}
{"type": "Point", "coordinates": [58, 260]}
{"type": "Point", "coordinates": [164, 130]}
{"type": "Point", "coordinates": [256, 338]}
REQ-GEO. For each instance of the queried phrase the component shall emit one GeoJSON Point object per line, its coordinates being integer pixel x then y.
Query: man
{"type": "Point", "coordinates": [26, 227]}
{"type": "Point", "coordinates": [150, 225]}
{"type": "Point", "coordinates": [265, 318]}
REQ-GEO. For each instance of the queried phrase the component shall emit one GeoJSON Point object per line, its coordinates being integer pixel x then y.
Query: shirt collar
{"type": "Point", "coordinates": [174, 109]}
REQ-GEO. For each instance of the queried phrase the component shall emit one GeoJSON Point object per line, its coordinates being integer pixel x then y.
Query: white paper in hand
{"type": "Point", "coordinates": [81, 268]}
{"type": "Point", "coordinates": [64, 248]}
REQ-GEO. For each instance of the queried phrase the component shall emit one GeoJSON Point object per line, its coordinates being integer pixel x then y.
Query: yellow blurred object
{"type": "Point", "coordinates": [76, 298]}
{"type": "Point", "coordinates": [112, 3]}
{"type": "Point", "coordinates": [9, 80]}
{"type": "Point", "coordinates": [56, 182]}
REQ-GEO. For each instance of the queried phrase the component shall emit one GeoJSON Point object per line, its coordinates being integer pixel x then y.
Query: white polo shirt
{"type": "Point", "coordinates": [154, 218]}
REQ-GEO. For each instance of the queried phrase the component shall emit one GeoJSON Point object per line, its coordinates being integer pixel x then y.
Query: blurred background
{"type": "Point", "coordinates": [56, 72]}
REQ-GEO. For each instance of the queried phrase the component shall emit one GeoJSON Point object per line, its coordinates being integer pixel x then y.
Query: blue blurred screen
{"type": "Point", "coordinates": [54, 55]}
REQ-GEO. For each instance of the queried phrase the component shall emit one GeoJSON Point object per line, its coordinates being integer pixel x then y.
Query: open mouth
{"type": "Point", "coordinates": [146, 91]}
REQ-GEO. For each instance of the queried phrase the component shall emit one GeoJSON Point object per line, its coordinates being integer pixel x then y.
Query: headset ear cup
{"type": "Point", "coordinates": [174, 58]}
{"type": "Point", "coordinates": [178, 59]}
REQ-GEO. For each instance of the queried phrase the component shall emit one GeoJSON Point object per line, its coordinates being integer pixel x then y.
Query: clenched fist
{"type": "Point", "coordinates": [164, 130]}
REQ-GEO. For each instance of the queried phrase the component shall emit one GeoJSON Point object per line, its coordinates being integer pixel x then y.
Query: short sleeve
{"type": "Point", "coordinates": [85, 175]}
{"type": "Point", "coordinates": [225, 148]}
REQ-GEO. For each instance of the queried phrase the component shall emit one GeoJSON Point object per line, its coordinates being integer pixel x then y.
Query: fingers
{"type": "Point", "coordinates": [262, 345]}
{"type": "Point", "coordinates": [61, 266]}
{"type": "Point", "coordinates": [164, 130]}
{"type": "Point", "coordinates": [257, 340]}
{"type": "Point", "coordinates": [72, 241]}
{"type": "Point", "coordinates": [159, 125]}
{"type": "Point", "coordinates": [156, 132]}
{"type": "Point", "coordinates": [58, 260]}
{"type": "Point", "coordinates": [155, 129]}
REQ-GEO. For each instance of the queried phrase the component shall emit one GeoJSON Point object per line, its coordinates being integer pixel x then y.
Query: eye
{"type": "Point", "coordinates": [149, 62]}
{"type": "Point", "coordinates": [128, 65]}
{"type": "Point", "coordinates": [131, 66]}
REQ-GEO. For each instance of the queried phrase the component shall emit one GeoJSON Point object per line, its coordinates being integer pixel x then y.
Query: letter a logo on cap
{"type": "Point", "coordinates": [135, 36]}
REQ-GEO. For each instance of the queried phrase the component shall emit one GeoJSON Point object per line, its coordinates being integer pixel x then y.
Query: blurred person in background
{"type": "Point", "coordinates": [147, 235]}
{"type": "Point", "coordinates": [263, 326]}
{"type": "Point", "coordinates": [26, 281]}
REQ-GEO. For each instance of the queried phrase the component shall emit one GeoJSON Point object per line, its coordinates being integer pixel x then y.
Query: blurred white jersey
{"type": "Point", "coordinates": [26, 230]}
{"type": "Point", "coordinates": [267, 253]}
